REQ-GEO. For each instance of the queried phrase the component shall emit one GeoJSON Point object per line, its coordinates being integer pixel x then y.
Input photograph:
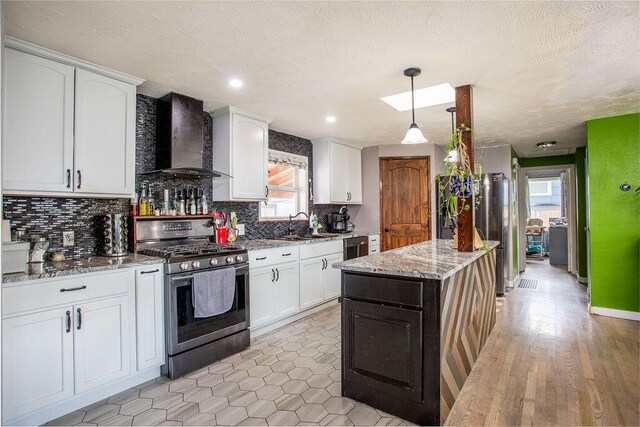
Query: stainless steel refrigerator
{"type": "Point", "coordinates": [491, 220]}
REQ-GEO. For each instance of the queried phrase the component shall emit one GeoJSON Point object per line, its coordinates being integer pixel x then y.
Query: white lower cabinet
{"type": "Point", "coordinates": [37, 361]}
{"type": "Point", "coordinates": [66, 341]}
{"type": "Point", "coordinates": [274, 292]}
{"type": "Point", "coordinates": [150, 317]}
{"type": "Point", "coordinates": [286, 300]}
{"type": "Point", "coordinates": [319, 281]}
{"type": "Point", "coordinates": [333, 277]}
{"type": "Point", "coordinates": [101, 347]}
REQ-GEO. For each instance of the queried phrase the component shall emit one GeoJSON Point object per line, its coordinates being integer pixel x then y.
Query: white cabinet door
{"type": "Point", "coordinates": [261, 296]}
{"type": "Point", "coordinates": [37, 142]}
{"type": "Point", "coordinates": [338, 171]}
{"type": "Point", "coordinates": [37, 361]}
{"type": "Point", "coordinates": [354, 167]}
{"type": "Point", "coordinates": [102, 350]}
{"type": "Point", "coordinates": [332, 277]}
{"type": "Point", "coordinates": [250, 139]}
{"type": "Point", "coordinates": [104, 152]}
{"type": "Point", "coordinates": [286, 290]}
{"type": "Point", "coordinates": [311, 278]}
{"type": "Point", "coordinates": [150, 317]}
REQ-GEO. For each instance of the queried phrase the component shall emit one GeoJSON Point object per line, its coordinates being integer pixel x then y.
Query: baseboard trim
{"type": "Point", "coordinates": [582, 280]}
{"type": "Point", "coordinates": [57, 410]}
{"type": "Point", "coordinates": [261, 330]}
{"type": "Point", "coordinates": [612, 312]}
{"type": "Point", "coordinates": [514, 282]}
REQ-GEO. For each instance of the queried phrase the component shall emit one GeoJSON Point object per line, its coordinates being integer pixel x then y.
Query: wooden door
{"type": "Point", "coordinates": [261, 295]}
{"type": "Point", "coordinates": [105, 120]}
{"type": "Point", "coordinates": [150, 317]}
{"type": "Point", "coordinates": [286, 291]}
{"type": "Point", "coordinates": [37, 146]}
{"type": "Point", "coordinates": [37, 361]}
{"type": "Point", "coordinates": [405, 201]}
{"type": "Point", "coordinates": [102, 336]}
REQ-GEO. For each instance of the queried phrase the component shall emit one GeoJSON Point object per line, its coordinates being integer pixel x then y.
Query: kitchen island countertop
{"type": "Point", "coordinates": [93, 264]}
{"type": "Point", "coordinates": [433, 259]}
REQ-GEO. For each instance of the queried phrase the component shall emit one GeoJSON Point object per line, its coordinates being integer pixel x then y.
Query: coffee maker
{"type": "Point", "coordinates": [339, 222]}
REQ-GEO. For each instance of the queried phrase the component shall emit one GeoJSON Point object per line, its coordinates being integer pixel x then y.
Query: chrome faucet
{"type": "Point", "coordinates": [291, 229]}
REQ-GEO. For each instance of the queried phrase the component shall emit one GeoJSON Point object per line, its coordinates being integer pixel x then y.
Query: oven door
{"type": "Point", "coordinates": [184, 331]}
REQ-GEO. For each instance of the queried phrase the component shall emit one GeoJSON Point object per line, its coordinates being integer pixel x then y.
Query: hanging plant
{"type": "Point", "coordinates": [459, 178]}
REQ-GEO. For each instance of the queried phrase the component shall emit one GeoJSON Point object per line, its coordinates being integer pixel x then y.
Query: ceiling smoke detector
{"type": "Point", "coordinates": [546, 145]}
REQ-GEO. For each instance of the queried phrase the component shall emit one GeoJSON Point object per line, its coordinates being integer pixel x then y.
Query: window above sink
{"type": "Point", "coordinates": [287, 185]}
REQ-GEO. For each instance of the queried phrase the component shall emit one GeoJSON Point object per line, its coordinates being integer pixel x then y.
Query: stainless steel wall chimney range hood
{"type": "Point", "coordinates": [179, 149]}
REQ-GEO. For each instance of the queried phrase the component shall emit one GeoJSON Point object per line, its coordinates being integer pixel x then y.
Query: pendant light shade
{"type": "Point", "coordinates": [414, 134]}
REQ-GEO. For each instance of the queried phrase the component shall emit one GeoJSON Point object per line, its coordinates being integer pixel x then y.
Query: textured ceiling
{"type": "Point", "coordinates": [539, 70]}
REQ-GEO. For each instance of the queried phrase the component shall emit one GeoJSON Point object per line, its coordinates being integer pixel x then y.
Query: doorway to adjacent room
{"type": "Point", "coordinates": [405, 201]}
{"type": "Point", "coordinates": [547, 222]}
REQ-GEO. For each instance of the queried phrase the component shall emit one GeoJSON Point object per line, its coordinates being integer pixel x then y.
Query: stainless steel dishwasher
{"type": "Point", "coordinates": [355, 247]}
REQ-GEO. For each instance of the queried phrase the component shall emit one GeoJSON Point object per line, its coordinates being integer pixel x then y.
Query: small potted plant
{"type": "Point", "coordinates": [460, 181]}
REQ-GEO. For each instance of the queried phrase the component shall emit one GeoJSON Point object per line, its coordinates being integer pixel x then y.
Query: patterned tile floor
{"type": "Point", "coordinates": [290, 376]}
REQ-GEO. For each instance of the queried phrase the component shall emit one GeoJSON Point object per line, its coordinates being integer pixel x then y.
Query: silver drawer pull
{"type": "Point", "coordinates": [261, 258]}
{"type": "Point", "coordinates": [150, 272]}
{"type": "Point", "coordinates": [79, 288]}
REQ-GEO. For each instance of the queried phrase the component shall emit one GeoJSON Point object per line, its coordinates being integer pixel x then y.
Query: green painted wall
{"type": "Point", "coordinates": [613, 158]}
{"type": "Point", "coordinates": [532, 162]}
{"type": "Point", "coordinates": [581, 207]}
{"type": "Point", "coordinates": [514, 226]}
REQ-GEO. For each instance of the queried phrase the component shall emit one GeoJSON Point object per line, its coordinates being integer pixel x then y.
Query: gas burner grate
{"type": "Point", "coordinates": [528, 284]}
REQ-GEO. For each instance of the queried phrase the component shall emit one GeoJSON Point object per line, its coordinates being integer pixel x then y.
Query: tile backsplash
{"type": "Point", "coordinates": [49, 217]}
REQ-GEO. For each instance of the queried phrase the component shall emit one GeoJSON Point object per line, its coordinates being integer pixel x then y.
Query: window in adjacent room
{"type": "Point", "coordinates": [287, 184]}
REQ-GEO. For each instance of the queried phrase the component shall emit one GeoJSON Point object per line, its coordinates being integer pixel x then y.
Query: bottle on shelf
{"type": "Point", "coordinates": [142, 205]}
{"type": "Point", "coordinates": [181, 204]}
{"type": "Point", "coordinates": [192, 204]}
{"type": "Point", "coordinates": [204, 206]}
{"type": "Point", "coordinates": [152, 202]}
{"type": "Point", "coordinates": [174, 202]}
{"type": "Point", "coordinates": [133, 206]}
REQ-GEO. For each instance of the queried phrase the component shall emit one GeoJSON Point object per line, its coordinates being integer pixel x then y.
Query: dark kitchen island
{"type": "Point", "coordinates": [414, 320]}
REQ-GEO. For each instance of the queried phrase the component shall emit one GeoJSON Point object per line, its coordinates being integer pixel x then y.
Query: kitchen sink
{"type": "Point", "coordinates": [303, 238]}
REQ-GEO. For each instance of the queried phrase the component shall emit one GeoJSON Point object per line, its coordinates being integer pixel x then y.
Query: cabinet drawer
{"type": "Point", "coordinates": [374, 240]}
{"type": "Point", "coordinates": [387, 290]}
{"type": "Point", "coordinates": [266, 257]}
{"type": "Point", "coordinates": [319, 249]}
{"type": "Point", "coordinates": [43, 294]}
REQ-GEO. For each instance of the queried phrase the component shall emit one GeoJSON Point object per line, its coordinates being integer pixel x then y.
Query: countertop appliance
{"type": "Point", "coordinates": [355, 247]}
{"type": "Point", "coordinates": [339, 222]}
{"type": "Point", "coordinates": [191, 342]}
{"type": "Point", "coordinates": [491, 220]}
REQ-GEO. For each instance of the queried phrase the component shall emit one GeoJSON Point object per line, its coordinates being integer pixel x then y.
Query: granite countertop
{"type": "Point", "coordinates": [257, 244]}
{"type": "Point", "coordinates": [434, 259]}
{"type": "Point", "coordinates": [79, 266]}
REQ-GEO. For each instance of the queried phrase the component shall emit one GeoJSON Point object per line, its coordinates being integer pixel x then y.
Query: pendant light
{"type": "Point", "coordinates": [452, 157]}
{"type": "Point", "coordinates": [414, 135]}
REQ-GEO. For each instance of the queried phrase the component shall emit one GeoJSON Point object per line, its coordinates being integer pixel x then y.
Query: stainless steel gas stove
{"type": "Point", "coordinates": [186, 246]}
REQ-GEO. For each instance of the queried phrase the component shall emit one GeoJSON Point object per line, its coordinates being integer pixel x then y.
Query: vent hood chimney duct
{"type": "Point", "coordinates": [179, 149]}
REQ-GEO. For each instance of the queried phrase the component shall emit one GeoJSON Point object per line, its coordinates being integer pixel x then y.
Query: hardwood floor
{"type": "Point", "coordinates": [548, 362]}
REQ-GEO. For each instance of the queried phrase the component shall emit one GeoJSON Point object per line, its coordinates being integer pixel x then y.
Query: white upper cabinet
{"type": "Point", "coordinates": [37, 144]}
{"type": "Point", "coordinates": [337, 172]}
{"type": "Point", "coordinates": [68, 125]}
{"type": "Point", "coordinates": [240, 149]}
{"type": "Point", "coordinates": [105, 136]}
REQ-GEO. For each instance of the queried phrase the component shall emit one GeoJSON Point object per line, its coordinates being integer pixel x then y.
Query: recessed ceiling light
{"type": "Point", "coordinates": [331, 119]}
{"type": "Point", "coordinates": [235, 83]}
{"type": "Point", "coordinates": [426, 97]}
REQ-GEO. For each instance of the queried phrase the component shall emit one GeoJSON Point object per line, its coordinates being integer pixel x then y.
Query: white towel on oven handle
{"type": "Point", "coordinates": [214, 292]}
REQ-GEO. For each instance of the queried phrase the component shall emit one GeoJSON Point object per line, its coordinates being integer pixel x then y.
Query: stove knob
{"type": "Point", "coordinates": [229, 260]}
{"type": "Point", "coordinates": [239, 258]}
{"type": "Point", "coordinates": [213, 261]}
{"type": "Point", "coordinates": [184, 265]}
{"type": "Point", "coordinates": [196, 264]}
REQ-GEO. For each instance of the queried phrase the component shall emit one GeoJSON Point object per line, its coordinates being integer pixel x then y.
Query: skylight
{"type": "Point", "coordinates": [426, 97]}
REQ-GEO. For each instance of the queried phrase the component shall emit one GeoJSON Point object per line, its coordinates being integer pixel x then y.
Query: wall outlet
{"type": "Point", "coordinates": [240, 228]}
{"type": "Point", "coordinates": [68, 238]}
